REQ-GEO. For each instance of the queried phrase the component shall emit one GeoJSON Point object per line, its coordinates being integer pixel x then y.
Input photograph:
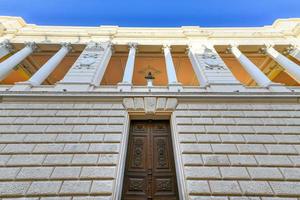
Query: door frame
{"type": "Point", "coordinates": [118, 186]}
{"type": "Point", "coordinates": [181, 184]}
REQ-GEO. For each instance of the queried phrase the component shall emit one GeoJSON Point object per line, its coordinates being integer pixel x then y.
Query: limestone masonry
{"type": "Point", "coordinates": [68, 95]}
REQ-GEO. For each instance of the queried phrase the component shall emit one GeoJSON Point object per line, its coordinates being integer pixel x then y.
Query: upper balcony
{"type": "Point", "coordinates": [113, 59]}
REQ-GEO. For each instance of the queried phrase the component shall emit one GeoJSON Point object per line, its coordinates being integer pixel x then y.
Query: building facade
{"type": "Point", "coordinates": [185, 113]}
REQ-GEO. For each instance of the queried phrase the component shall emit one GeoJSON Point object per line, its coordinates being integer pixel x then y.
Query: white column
{"type": "Point", "coordinates": [292, 68]}
{"type": "Point", "coordinates": [5, 48]}
{"type": "Point", "coordinates": [172, 78]}
{"type": "Point", "coordinates": [260, 78]}
{"type": "Point", "coordinates": [129, 68]}
{"type": "Point", "coordinates": [7, 65]}
{"type": "Point", "coordinates": [39, 77]}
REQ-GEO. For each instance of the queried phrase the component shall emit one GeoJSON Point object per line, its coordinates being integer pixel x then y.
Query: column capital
{"type": "Point", "coordinates": [132, 45]}
{"type": "Point", "coordinates": [188, 49]}
{"type": "Point", "coordinates": [189, 46]}
{"type": "Point", "coordinates": [289, 49]}
{"type": "Point", "coordinates": [230, 46]}
{"type": "Point", "coordinates": [263, 50]}
{"type": "Point", "coordinates": [229, 49]}
{"type": "Point", "coordinates": [7, 45]}
{"type": "Point", "coordinates": [31, 45]}
{"type": "Point", "coordinates": [67, 45]}
{"type": "Point", "coordinates": [110, 46]}
{"type": "Point", "coordinates": [167, 46]}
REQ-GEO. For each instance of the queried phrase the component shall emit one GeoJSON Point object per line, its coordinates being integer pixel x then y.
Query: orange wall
{"type": "Point", "coordinates": [144, 64]}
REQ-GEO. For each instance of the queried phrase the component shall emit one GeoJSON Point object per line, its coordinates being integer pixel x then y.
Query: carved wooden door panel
{"type": "Point", "coordinates": [150, 169]}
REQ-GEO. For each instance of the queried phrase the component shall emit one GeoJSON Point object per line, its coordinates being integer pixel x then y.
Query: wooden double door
{"type": "Point", "coordinates": [150, 170]}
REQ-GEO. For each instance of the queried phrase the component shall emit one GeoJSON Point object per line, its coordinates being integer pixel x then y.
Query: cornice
{"type": "Point", "coordinates": [118, 96]}
{"type": "Point", "coordinates": [279, 29]}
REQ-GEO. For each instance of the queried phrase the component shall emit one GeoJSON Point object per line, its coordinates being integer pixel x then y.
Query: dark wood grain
{"type": "Point", "coordinates": [150, 170]}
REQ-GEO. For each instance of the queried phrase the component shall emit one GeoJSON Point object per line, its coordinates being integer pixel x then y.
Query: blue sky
{"type": "Point", "coordinates": [153, 13]}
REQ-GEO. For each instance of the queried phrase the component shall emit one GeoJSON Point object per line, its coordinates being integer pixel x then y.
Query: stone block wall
{"type": "Point", "coordinates": [60, 150]}
{"type": "Point", "coordinates": [227, 151]}
{"type": "Point", "coordinates": [239, 151]}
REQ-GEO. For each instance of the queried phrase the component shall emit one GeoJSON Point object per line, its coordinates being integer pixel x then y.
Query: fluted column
{"type": "Point", "coordinates": [260, 78]}
{"type": "Point", "coordinates": [7, 65]}
{"type": "Point", "coordinates": [292, 68]}
{"type": "Point", "coordinates": [171, 73]}
{"type": "Point", "coordinates": [39, 77]}
{"type": "Point", "coordinates": [129, 68]}
{"type": "Point", "coordinates": [5, 48]}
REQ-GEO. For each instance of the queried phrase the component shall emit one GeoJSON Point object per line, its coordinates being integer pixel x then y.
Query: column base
{"type": "Point", "coordinates": [175, 87]}
{"type": "Point", "coordinates": [21, 86]}
{"type": "Point", "coordinates": [277, 87]}
{"type": "Point", "coordinates": [124, 87]}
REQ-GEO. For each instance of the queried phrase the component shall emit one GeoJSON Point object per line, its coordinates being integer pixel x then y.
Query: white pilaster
{"type": "Point", "coordinates": [88, 68]}
{"type": "Point", "coordinates": [200, 73]}
{"type": "Point", "coordinates": [5, 48]}
{"type": "Point", "coordinates": [39, 77]}
{"type": "Point", "coordinates": [11, 62]}
{"type": "Point", "coordinates": [260, 78]}
{"type": "Point", "coordinates": [292, 68]}
{"type": "Point", "coordinates": [126, 83]}
{"type": "Point", "coordinates": [103, 65]}
{"type": "Point", "coordinates": [210, 69]}
{"type": "Point", "coordinates": [173, 83]}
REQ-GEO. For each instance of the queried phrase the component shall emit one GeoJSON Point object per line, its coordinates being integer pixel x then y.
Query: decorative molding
{"type": "Point", "coordinates": [94, 46]}
{"type": "Point", "coordinates": [210, 60]}
{"type": "Point", "coordinates": [288, 50]}
{"type": "Point", "coordinates": [161, 153]}
{"type": "Point", "coordinates": [164, 184]}
{"type": "Point", "coordinates": [32, 45]}
{"type": "Point", "coordinates": [132, 45]}
{"type": "Point", "coordinates": [67, 45]}
{"type": "Point", "coordinates": [167, 46]}
{"type": "Point", "coordinates": [136, 185]}
{"type": "Point", "coordinates": [138, 152]}
{"type": "Point", "coordinates": [7, 45]}
{"type": "Point", "coordinates": [150, 105]}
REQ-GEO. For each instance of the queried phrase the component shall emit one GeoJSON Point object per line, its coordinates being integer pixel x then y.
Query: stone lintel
{"type": "Point", "coordinates": [150, 105]}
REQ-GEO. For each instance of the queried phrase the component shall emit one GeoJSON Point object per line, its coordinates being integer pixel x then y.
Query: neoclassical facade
{"type": "Point", "coordinates": [187, 113]}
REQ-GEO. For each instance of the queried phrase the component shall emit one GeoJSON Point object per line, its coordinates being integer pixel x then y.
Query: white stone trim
{"type": "Point", "coordinates": [103, 65]}
{"type": "Point", "coordinates": [150, 105]}
{"type": "Point", "coordinates": [118, 187]}
{"type": "Point", "coordinates": [181, 183]}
